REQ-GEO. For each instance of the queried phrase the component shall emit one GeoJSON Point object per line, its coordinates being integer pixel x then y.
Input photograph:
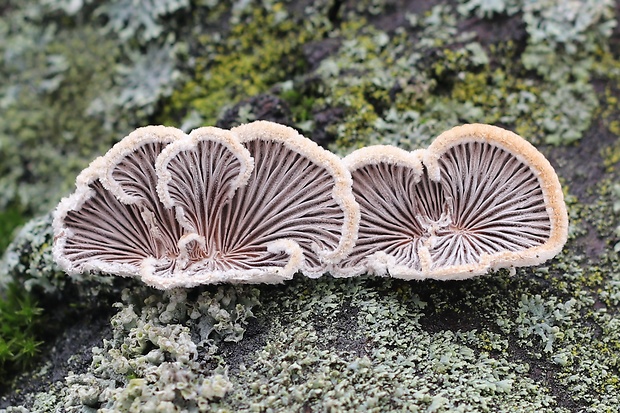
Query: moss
{"type": "Point", "coordinates": [20, 318]}
{"type": "Point", "coordinates": [301, 105]}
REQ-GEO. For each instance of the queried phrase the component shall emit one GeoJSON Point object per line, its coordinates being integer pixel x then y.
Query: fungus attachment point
{"type": "Point", "coordinates": [479, 198]}
{"type": "Point", "coordinates": [256, 204]}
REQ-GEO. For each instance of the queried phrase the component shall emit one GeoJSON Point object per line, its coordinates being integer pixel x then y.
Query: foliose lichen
{"type": "Point", "coordinates": [162, 355]}
{"type": "Point", "coordinates": [57, 56]}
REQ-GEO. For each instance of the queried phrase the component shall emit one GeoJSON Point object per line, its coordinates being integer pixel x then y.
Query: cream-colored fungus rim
{"type": "Point", "coordinates": [383, 264]}
{"type": "Point", "coordinates": [341, 193]}
{"type": "Point", "coordinates": [129, 144]}
{"type": "Point", "coordinates": [549, 183]}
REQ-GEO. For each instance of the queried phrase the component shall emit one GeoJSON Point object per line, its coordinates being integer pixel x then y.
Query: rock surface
{"type": "Point", "coordinates": [546, 339]}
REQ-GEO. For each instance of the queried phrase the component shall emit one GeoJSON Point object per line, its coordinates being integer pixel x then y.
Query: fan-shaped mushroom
{"type": "Point", "coordinates": [179, 210]}
{"type": "Point", "coordinates": [294, 212]}
{"type": "Point", "coordinates": [114, 222]}
{"type": "Point", "coordinates": [478, 198]}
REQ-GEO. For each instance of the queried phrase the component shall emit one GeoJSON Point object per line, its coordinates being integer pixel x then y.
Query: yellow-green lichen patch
{"type": "Point", "coordinates": [260, 50]}
{"type": "Point", "coordinates": [412, 90]}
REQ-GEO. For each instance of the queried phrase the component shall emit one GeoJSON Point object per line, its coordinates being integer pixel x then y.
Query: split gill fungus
{"type": "Point", "coordinates": [479, 198]}
{"type": "Point", "coordinates": [259, 203]}
{"type": "Point", "coordinates": [254, 204]}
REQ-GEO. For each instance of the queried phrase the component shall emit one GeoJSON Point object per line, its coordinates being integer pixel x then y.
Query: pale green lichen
{"type": "Point", "coordinates": [28, 259]}
{"type": "Point", "coordinates": [43, 145]}
{"type": "Point", "coordinates": [141, 20]}
{"type": "Point", "coordinates": [161, 356]}
{"type": "Point", "coordinates": [489, 8]}
{"type": "Point", "coordinates": [60, 78]}
{"type": "Point", "coordinates": [544, 319]}
{"type": "Point", "coordinates": [570, 25]}
{"type": "Point", "coordinates": [357, 345]}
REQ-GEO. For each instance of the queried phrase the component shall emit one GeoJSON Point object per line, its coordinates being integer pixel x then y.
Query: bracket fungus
{"type": "Point", "coordinates": [479, 198]}
{"type": "Point", "coordinates": [254, 204]}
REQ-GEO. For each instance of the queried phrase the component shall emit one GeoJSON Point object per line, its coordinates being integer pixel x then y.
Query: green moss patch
{"type": "Point", "coordinates": [20, 318]}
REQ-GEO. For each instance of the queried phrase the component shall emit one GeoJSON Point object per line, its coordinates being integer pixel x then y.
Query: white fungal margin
{"type": "Point", "coordinates": [341, 192]}
{"type": "Point", "coordinates": [207, 133]}
{"type": "Point", "coordinates": [176, 195]}
{"type": "Point", "coordinates": [120, 151]}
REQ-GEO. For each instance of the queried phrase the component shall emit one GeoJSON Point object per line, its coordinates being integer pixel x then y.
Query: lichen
{"type": "Point", "coordinates": [403, 89]}
{"type": "Point", "coordinates": [61, 77]}
{"type": "Point", "coordinates": [138, 21]}
{"type": "Point", "coordinates": [162, 355]}
{"type": "Point", "coordinates": [28, 261]}
{"type": "Point", "coordinates": [43, 145]}
{"type": "Point", "coordinates": [263, 47]}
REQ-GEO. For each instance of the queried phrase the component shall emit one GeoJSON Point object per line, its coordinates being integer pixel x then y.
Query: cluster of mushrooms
{"type": "Point", "coordinates": [259, 203]}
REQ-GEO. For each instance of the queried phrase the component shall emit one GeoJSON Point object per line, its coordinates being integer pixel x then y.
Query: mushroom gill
{"type": "Point", "coordinates": [299, 192]}
{"type": "Point", "coordinates": [478, 198]}
{"type": "Point", "coordinates": [114, 220]}
{"type": "Point", "coordinates": [256, 204]}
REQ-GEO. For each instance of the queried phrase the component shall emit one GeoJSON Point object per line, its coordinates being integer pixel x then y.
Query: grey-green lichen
{"type": "Point", "coordinates": [355, 345]}
{"type": "Point", "coordinates": [161, 356]}
{"type": "Point", "coordinates": [543, 340]}
{"type": "Point", "coordinates": [180, 62]}
{"type": "Point", "coordinates": [62, 74]}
